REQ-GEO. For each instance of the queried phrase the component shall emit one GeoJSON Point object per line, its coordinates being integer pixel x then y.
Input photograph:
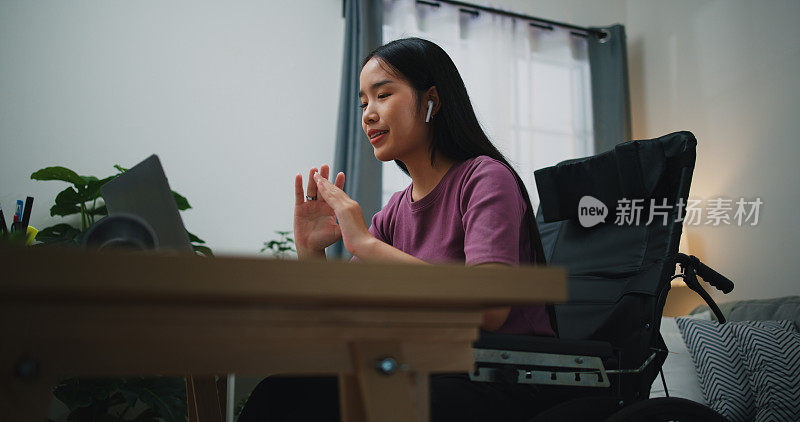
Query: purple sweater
{"type": "Point", "coordinates": [475, 215]}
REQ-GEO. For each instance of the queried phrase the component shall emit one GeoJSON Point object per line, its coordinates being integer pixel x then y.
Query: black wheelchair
{"type": "Point", "coordinates": [609, 350]}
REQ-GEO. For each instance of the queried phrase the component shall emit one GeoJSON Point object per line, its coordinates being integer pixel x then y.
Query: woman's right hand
{"type": "Point", "coordinates": [315, 226]}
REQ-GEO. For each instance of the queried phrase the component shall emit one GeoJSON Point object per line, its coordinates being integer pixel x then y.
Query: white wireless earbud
{"type": "Point", "coordinates": [430, 108]}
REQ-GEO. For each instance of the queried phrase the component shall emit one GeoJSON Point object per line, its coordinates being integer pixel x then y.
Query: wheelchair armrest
{"type": "Point", "coordinates": [522, 343]}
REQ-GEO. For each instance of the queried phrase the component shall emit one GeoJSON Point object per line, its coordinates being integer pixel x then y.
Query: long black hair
{"type": "Point", "coordinates": [456, 131]}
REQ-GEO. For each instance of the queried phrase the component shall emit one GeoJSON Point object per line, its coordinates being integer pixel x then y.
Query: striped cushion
{"type": "Point", "coordinates": [720, 367]}
{"type": "Point", "coordinates": [727, 358]}
{"type": "Point", "coordinates": [772, 358]}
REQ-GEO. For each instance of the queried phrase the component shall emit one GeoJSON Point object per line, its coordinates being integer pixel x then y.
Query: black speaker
{"type": "Point", "coordinates": [121, 231]}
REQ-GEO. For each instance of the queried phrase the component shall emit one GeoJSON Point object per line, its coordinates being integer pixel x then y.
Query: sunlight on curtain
{"type": "Point", "coordinates": [529, 86]}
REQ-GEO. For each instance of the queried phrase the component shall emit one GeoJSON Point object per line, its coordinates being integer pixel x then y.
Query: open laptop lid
{"type": "Point", "coordinates": [145, 192]}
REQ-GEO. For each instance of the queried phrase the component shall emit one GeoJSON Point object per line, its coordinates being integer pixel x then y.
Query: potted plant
{"type": "Point", "coordinates": [108, 399]}
{"type": "Point", "coordinates": [281, 247]}
{"type": "Point", "coordinates": [82, 198]}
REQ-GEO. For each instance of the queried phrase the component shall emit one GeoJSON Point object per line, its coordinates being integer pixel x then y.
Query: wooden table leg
{"type": "Point", "coordinates": [191, 400]}
{"type": "Point", "coordinates": [351, 407]}
{"type": "Point", "coordinates": [203, 402]}
{"type": "Point", "coordinates": [400, 396]}
{"type": "Point", "coordinates": [25, 389]}
{"type": "Point", "coordinates": [421, 395]}
{"type": "Point", "coordinates": [222, 395]}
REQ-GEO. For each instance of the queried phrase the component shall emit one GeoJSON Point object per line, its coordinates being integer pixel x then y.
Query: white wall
{"type": "Point", "coordinates": [729, 71]}
{"type": "Point", "coordinates": [235, 99]}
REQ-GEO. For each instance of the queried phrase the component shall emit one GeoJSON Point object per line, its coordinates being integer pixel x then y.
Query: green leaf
{"type": "Point", "coordinates": [193, 238]}
{"type": "Point", "coordinates": [83, 392]}
{"type": "Point", "coordinates": [68, 196]}
{"type": "Point", "coordinates": [205, 250]}
{"type": "Point", "coordinates": [60, 233]}
{"type": "Point", "coordinates": [101, 210]}
{"type": "Point", "coordinates": [58, 173]}
{"type": "Point", "coordinates": [180, 201]}
{"type": "Point", "coordinates": [131, 394]}
{"type": "Point", "coordinates": [120, 168]}
{"type": "Point", "coordinates": [93, 188]}
{"type": "Point", "coordinates": [281, 246]}
{"type": "Point", "coordinates": [147, 416]}
{"type": "Point", "coordinates": [165, 396]}
{"type": "Point", "coordinates": [64, 209]}
{"type": "Point", "coordinates": [88, 179]}
{"type": "Point", "coordinates": [98, 410]}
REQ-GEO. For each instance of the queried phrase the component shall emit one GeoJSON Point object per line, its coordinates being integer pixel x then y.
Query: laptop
{"type": "Point", "coordinates": [144, 191]}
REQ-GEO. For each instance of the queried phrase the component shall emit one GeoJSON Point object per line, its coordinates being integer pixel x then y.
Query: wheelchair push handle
{"type": "Point", "coordinates": [692, 267]}
{"type": "Point", "coordinates": [710, 276]}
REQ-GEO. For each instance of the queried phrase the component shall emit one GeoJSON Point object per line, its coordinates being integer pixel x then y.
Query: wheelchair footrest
{"type": "Point", "coordinates": [508, 366]}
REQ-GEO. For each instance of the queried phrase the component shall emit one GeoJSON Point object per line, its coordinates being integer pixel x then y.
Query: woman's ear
{"type": "Point", "coordinates": [432, 95]}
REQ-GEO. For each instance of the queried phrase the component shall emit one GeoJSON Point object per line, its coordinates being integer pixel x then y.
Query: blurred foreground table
{"type": "Point", "coordinates": [68, 312]}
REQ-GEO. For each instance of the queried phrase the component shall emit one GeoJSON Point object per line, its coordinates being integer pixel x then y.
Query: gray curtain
{"type": "Point", "coordinates": [353, 154]}
{"type": "Point", "coordinates": [608, 61]}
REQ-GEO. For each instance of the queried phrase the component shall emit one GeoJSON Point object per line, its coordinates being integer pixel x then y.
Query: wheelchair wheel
{"type": "Point", "coordinates": [594, 408]}
{"type": "Point", "coordinates": [666, 409]}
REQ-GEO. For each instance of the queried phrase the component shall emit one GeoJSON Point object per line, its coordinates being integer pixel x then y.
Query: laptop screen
{"type": "Point", "coordinates": [144, 191]}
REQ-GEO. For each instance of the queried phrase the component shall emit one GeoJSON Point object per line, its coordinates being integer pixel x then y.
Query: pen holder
{"type": "Point", "coordinates": [16, 236]}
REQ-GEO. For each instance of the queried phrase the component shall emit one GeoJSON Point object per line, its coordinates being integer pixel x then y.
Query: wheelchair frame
{"type": "Point", "coordinates": [532, 360]}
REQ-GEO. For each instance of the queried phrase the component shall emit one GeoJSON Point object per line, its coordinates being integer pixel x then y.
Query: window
{"type": "Point", "coordinates": [529, 86]}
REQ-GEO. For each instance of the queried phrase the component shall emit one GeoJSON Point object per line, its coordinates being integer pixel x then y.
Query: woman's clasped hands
{"type": "Point", "coordinates": [324, 214]}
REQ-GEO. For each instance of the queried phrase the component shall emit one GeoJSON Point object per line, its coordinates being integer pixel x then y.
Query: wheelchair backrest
{"type": "Point", "coordinates": [619, 269]}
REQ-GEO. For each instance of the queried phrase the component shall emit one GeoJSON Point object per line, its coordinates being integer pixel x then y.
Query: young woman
{"type": "Point", "coordinates": [464, 204]}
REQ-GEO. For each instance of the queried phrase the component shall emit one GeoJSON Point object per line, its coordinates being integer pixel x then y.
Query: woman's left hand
{"type": "Point", "coordinates": [355, 233]}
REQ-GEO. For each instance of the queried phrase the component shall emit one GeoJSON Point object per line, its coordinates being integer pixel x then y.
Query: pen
{"type": "Point", "coordinates": [26, 214]}
{"type": "Point", "coordinates": [18, 213]}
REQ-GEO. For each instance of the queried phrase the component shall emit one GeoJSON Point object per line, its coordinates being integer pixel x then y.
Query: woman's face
{"type": "Point", "coordinates": [390, 114]}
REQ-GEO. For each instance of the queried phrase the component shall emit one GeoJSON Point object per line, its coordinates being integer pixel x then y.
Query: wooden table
{"type": "Point", "coordinates": [66, 312]}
